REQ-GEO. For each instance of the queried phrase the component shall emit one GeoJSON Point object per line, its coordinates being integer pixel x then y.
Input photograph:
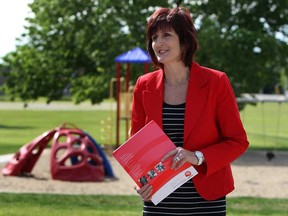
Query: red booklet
{"type": "Point", "coordinates": [141, 156]}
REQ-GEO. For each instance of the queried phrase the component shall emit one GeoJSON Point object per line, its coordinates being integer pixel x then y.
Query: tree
{"type": "Point", "coordinates": [240, 37]}
{"type": "Point", "coordinates": [72, 45]}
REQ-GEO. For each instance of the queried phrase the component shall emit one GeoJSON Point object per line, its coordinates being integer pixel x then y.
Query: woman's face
{"type": "Point", "coordinates": [166, 46]}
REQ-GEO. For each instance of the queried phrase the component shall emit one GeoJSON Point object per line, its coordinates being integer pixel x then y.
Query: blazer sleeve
{"type": "Point", "coordinates": [233, 142]}
{"type": "Point", "coordinates": [138, 112]}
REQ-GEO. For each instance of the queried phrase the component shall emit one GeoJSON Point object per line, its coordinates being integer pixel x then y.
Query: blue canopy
{"type": "Point", "coordinates": [136, 55]}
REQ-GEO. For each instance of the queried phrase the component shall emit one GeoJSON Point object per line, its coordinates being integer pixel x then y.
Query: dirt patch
{"type": "Point", "coordinates": [254, 176]}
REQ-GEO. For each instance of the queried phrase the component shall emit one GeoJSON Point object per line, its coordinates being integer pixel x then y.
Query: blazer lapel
{"type": "Point", "coordinates": [196, 99]}
{"type": "Point", "coordinates": [153, 98]}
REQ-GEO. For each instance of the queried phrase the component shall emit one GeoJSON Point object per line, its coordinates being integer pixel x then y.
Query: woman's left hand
{"type": "Point", "coordinates": [180, 156]}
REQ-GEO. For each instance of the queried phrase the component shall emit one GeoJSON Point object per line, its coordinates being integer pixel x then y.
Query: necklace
{"type": "Point", "coordinates": [179, 83]}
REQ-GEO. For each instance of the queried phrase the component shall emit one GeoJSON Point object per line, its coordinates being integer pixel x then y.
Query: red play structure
{"type": "Point", "coordinates": [27, 156]}
{"type": "Point", "coordinates": [75, 156]}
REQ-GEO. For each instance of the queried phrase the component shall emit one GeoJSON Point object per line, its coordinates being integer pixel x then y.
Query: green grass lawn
{"type": "Point", "coordinates": [73, 205]}
{"type": "Point", "coordinates": [266, 125]}
{"type": "Point", "coordinates": [18, 127]}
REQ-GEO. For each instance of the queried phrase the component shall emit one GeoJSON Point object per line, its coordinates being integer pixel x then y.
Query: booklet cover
{"type": "Point", "coordinates": [141, 156]}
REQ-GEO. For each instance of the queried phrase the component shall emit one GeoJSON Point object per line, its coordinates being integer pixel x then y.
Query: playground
{"type": "Point", "coordinates": [255, 176]}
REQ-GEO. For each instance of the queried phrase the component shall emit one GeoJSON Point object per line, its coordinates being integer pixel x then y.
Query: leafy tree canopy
{"type": "Point", "coordinates": [71, 45]}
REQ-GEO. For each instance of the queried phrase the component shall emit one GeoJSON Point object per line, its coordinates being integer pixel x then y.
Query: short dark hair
{"type": "Point", "coordinates": [181, 21]}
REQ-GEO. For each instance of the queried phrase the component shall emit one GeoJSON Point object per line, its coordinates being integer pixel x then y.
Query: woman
{"type": "Point", "coordinates": [196, 107]}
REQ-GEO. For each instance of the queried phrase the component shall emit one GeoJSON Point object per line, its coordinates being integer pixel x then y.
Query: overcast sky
{"type": "Point", "coordinates": [12, 20]}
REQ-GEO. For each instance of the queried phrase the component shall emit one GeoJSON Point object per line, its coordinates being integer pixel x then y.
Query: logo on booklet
{"type": "Point", "coordinates": [188, 173]}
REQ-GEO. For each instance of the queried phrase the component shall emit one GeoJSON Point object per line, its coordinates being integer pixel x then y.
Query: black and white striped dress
{"type": "Point", "coordinates": [185, 200]}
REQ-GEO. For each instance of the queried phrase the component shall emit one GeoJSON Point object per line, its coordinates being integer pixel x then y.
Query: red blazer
{"type": "Point", "coordinates": [212, 124]}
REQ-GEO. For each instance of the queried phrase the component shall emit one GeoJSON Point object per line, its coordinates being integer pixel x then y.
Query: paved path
{"type": "Point", "coordinates": [57, 106]}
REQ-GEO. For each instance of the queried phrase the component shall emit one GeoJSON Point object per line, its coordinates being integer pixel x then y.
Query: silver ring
{"type": "Point", "coordinates": [177, 159]}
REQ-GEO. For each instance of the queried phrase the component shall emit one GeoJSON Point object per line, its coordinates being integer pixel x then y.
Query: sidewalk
{"type": "Point", "coordinates": [57, 106]}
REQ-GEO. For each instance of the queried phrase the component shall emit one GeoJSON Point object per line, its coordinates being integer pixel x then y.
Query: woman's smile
{"type": "Point", "coordinates": [166, 45]}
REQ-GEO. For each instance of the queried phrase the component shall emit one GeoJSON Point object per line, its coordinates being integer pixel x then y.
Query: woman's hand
{"type": "Point", "coordinates": [145, 192]}
{"type": "Point", "coordinates": [180, 156]}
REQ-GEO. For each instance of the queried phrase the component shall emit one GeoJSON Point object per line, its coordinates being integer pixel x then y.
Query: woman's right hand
{"type": "Point", "coordinates": [145, 192]}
